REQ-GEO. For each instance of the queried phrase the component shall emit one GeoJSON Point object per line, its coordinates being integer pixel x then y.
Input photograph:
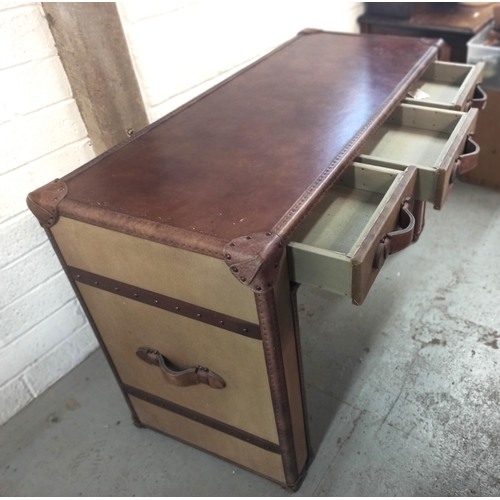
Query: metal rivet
{"type": "Point", "coordinates": [243, 278]}
{"type": "Point", "coordinates": [235, 269]}
{"type": "Point", "coordinates": [249, 237]}
{"type": "Point", "coordinates": [198, 315]}
{"type": "Point", "coordinates": [228, 257]}
{"type": "Point", "coordinates": [116, 289]}
{"type": "Point", "coordinates": [136, 295]}
{"type": "Point", "coordinates": [177, 309]}
{"type": "Point", "coordinates": [221, 322]}
{"type": "Point", "coordinates": [232, 244]}
{"type": "Point", "coordinates": [78, 276]}
{"type": "Point", "coordinates": [157, 302]}
{"type": "Point", "coordinates": [96, 282]}
{"type": "Point", "coordinates": [245, 330]}
{"type": "Point", "coordinates": [258, 288]}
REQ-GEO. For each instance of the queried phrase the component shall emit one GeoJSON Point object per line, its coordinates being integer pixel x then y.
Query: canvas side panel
{"type": "Point", "coordinates": [125, 325]}
{"type": "Point", "coordinates": [238, 451]}
{"type": "Point", "coordinates": [188, 276]}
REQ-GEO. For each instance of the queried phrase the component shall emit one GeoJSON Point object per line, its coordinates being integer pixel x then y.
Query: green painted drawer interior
{"type": "Point", "coordinates": [449, 85]}
{"type": "Point", "coordinates": [428, 138]}
{"type": "Point", "coordinates": [323, 247]}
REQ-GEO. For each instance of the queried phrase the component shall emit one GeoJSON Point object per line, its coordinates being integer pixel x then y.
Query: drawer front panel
{"type": "Point", "coordinates": [252, 457]}
{"type": "Point", "coordinates": [335, 248]}
{"type": "Point", "coordinates": [127, 325]}
{"type": "Point", "coordinates": [191, 277]}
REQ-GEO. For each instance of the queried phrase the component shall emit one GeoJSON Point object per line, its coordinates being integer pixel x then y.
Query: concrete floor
{"type": "Point", "coordinates": [403, 392]}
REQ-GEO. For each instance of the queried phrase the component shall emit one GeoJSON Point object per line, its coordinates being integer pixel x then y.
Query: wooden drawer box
{"type": "Point", "coordinates": [337, 247]}
{"type": "Point", "coordinates": [451, 86]}
{"type": "Point", "coordinates": [436, 141]}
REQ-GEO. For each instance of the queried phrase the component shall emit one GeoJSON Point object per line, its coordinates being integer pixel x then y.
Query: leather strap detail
{"type": "Point", "coordinates": [180, 378]}
{"type": "Point", "coordinates": [43, 202]}
{"type": "Point", "coordinates": [175, 306]}
{"type": "Point", "coordinates": [479, 98]}
{"type": "Point", "coordinates": [254, 260]}
{"type": "Point", "coordinates": [419, 214]}
{"type": "Point", "coordinates": [468, 160]}
{"type": "Point", "coordinates": [398, 240]}
{"type": "Point", "coordinates": [203, 419]}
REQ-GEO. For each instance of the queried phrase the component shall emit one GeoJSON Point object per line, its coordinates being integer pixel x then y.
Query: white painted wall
{"type": "Point", "coordinates": [180, 48]}
{"type": "Point", "coordinates": [43, 332]}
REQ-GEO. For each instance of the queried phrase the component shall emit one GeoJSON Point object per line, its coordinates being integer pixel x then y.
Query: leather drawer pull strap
{"type": "Point", "coordinates": [468, 160]}
{"type": "Point", "coordinates": [398, 240]}
{"type": "Point", "coordinates": [479, 99]}
{"type": "Point", "coordinates": [180, 378]}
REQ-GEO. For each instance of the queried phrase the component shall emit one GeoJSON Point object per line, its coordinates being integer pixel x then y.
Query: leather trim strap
{"type": "Point", "coordinates": [479, 98]}
{"type": "Point", "coordinates": [167, 303]}
{"type": "Point", "coordinates": [398, 240]}
{"type": "Point", "coordinates": [419, 214]}
{"type": "Point", "coordinates": [468, 160]}
{"type": "Point", "coordinates": [266, 308]}
{"type": "Point", "coordinates": [180, 378]}
{"type": "Point", "coordinates": [203, 419]}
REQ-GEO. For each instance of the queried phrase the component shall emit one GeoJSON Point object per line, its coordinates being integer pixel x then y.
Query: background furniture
{"type": "Point", "coordinates": [456, 24]}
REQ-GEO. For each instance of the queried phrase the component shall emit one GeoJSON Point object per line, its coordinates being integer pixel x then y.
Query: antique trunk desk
{"type": "Point", "coordinates": [184, 244]}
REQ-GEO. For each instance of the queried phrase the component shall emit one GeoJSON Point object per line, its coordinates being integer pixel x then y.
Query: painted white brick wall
{"type": "Point", "coordinates": [43, 332]}
{"type": "Point", "coordinates": [180, 48]}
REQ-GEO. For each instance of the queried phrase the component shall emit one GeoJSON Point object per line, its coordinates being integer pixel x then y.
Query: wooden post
{"type": "Point", "coordinates": [94, 53]}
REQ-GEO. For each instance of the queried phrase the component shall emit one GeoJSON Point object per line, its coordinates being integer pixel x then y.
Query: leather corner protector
{"type": "Point", "coordinates": [254, 260]}
{"type": "Point", "coordinates": [43, 202]}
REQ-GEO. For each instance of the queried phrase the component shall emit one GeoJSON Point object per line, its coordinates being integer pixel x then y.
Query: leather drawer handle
{"type": "Point", "coordinates": [398, 240]}
{"type": "Point", "coordinates": [468, 160]}
{"type": "Point", "coordinates": [180, 378]}
{"type": "Point", "coordinates": [479, 99]}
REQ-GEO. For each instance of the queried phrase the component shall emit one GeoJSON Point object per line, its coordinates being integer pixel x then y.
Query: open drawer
{"type": "Point", "coordinates": [451, 86]}
{"type": "Point", "coordinates": [437, 141]}
{"type": "Point", "coordinates": [343, 243]}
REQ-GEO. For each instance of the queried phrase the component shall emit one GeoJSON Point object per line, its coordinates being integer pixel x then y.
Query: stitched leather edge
{"type": "Point", "coordinates": [266, 308]}
{"type": "Point", "coordinates": [142, 228]}
{"type": "Point", "coordinates": [294, 288]}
